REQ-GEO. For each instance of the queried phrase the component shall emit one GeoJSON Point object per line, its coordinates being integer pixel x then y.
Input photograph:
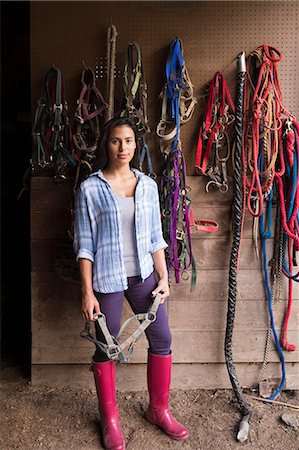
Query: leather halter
{"type": "Point", "coordinates": [135, 101]}
{"type": "Point", "coordinates": [112, 347]}
{"type": "Point", "coordinates": [177, 107]}
{"type": "Point", "coordinates": [186, 106]}
{"type": "Point", "coordinates": [91, 105]}
{"type": "Point", "coordinates": [213, 147]}
{"type": "Point", "coordinates": [52, 135]}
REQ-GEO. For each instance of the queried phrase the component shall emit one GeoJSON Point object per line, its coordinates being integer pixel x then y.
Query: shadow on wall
{"type": "Point", "coordinates": [15, 156]}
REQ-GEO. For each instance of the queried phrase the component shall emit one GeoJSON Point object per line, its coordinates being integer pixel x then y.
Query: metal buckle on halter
{"type": "Point", "coordinates": [152, 175]}
{"type": "Point", "coordinates": [79, 118]}
{"type": "Point", "coordinates": [151, 316]}
{"type": "Point", "coordinates": [180, 234]}
{"type": "Point", "coordinates": [113, 351]}
{"type": "Point", "coordinates": [56, 128]}
{"type": "Point", "coordinates": [215, 174]}
{"type": "Point", "coordinates": [166, 212]}
{"type": "Point", "coordinates": [56, 106]}
{"type": "Point", "coordinates": [288, 126]}
{"type": "Point", "coordinates": [41, 102]}
{"type": "Point", "coordinates": [224, 119]}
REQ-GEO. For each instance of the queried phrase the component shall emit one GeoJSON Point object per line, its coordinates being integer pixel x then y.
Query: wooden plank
{"type": "Point", "coordinates": [213, 285]}
{"type": "Point", "coordinates": [48, 193]}
{"type": "Point", "coordinates": [55, 209]}
{"type": "Point", "coordinates": [199, 196]}
{"type": "Point", "coordinates": [223, 217]}
{"type": "Point", "coordinates": [211, 316]}
{"type": "Point", "coordinates": [50, 223]}
{"type": "Point", "coordinates": [44, 252]}
{"type": "Point", "coordinates": [215, 254]}
{"type": "Point", "coordinates": [251, 316]}
{"type": "Point", "coordinates": [55, 256]}
{"type": "Point", "coordinates": [50, 347]}
{"type": "Point", "coordinates": [49, 289]}
{"type": "Point", "coordinates": [209, 253]}
{"type": "Point", "coordinates": [132, 377]}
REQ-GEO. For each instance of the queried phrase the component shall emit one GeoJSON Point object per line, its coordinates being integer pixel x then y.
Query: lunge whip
{"type": "Point", "coordinates": [237, 215]}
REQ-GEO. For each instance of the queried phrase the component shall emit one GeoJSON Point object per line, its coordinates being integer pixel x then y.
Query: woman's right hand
{"type": "Point", "coordinates": [89, 306]}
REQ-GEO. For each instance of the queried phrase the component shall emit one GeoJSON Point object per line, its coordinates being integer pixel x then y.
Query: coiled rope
{"type": "Point", "coordinates": [270, 162]}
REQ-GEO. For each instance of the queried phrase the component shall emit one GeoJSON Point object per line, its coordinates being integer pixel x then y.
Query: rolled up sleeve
{"type": "Point", "coordinates": [83, 241]}
{"type": "Point", "coordinates": [157, 240]}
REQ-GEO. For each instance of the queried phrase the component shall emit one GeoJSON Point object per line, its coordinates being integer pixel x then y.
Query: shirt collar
{"type": "Point", "coordinates": [100, 174]}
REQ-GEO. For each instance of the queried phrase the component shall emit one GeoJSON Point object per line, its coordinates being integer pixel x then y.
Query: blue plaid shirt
{"type": "Point", "coordinates": [98, 235]}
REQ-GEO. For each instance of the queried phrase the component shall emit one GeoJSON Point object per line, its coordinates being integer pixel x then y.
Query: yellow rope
{"type": "Point", "coordinates": [111, 57]}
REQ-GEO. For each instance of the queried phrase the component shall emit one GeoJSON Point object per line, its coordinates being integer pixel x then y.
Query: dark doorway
{"type": "Point", "coordinates": [15, 156]}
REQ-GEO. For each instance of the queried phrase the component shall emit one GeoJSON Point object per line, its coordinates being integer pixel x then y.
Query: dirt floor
{"type": "Point", "coordinates": [34, 417]}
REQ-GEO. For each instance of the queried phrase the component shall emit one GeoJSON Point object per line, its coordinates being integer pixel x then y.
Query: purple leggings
{"type": "Point", "coordinates": [139, 297]}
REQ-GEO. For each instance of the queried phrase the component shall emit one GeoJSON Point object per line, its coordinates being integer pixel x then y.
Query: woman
{"type": "Point", "coordinates": [120, 249]}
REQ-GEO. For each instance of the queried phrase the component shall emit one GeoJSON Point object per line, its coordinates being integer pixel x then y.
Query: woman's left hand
{"type": "Point", "coordinates": [163, 289]}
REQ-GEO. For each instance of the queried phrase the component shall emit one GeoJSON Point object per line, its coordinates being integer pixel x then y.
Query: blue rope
{"type": "Point", "coordinates": [265, 235]}
{"type": "Point", "coordinates": [270, 308]}
{"type": "Point", "coordinates": [291, 175]}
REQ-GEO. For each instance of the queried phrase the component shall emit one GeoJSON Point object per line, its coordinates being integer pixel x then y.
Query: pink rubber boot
{"type": "Point", "coordinates": [158, 379]}
{"type": "Point", "coordinates": [104, 375]}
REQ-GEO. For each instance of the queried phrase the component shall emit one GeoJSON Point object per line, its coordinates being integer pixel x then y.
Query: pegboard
{"type": "Point", "coordinates": [212, 33]}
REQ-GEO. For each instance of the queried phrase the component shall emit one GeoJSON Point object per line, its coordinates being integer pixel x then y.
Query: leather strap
{"type": "Point", "coordinates": [208, 226]}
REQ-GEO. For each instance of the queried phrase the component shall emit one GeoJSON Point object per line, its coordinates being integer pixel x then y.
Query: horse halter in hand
{"type": "Point", "coordinates": [112, 347]}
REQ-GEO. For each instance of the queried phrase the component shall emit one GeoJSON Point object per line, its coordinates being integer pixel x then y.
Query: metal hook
{"type": "Point", "coordinates": [210, 183]}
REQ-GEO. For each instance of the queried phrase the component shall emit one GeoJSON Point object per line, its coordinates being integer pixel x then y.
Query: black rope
{"type": "Point", "coordinates": [237, 208]}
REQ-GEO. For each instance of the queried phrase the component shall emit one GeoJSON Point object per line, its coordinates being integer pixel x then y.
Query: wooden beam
{"type": "Point", "coordinates": [132, 377]}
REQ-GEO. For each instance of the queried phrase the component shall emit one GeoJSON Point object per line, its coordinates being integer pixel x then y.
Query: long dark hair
{"type": "Point", "coordinates": [101, 160]}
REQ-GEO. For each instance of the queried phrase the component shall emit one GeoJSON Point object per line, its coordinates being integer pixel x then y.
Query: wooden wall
{"type": "Point", "coordinates": [213, 33]}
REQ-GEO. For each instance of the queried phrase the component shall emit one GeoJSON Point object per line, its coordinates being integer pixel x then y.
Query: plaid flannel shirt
{"type": "Point", "coordinates": [98, 234]}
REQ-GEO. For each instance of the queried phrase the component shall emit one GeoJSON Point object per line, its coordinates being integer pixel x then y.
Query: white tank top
{"type": "Point", "coordinates": [127, 207]}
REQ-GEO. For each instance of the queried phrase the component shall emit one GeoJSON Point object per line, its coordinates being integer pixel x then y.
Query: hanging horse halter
{"type": "Point", "coordinates": [177, 107]}
{"type": "Point", "coordinates": [52, 135]}
{"type": "Point", "coordinates": [112, 347]}
{"type": "Point", "coordinates": [213, 147]}
{"type": "Point", "coordinates": [135, 101]}
{"type": "Point", "coordinates": [91, 105]}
